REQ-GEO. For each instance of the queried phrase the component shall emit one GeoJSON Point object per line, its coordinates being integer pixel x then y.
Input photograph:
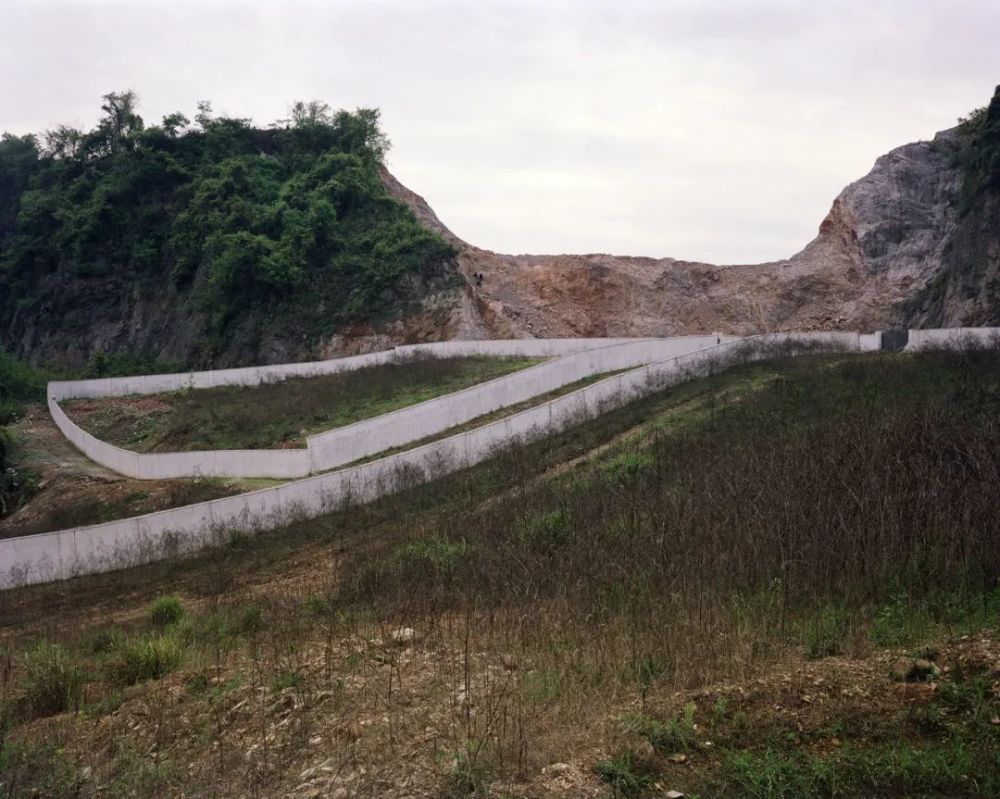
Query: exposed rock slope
{"type": "Point", "coordinates": [966, 289]}
{"type": "Point", "coordinates": [879, 246]}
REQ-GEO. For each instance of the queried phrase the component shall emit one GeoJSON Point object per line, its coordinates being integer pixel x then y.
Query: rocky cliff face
{"type": "Point", "coordinates": [150, 319]}
{"type": "Point", "coordinates": [882, 243]}
{"type": "Point", "coordinates": [966, 288]}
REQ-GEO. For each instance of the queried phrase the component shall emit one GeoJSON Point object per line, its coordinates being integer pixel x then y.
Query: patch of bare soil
{"type": "Point", "coordinates": [119, 419]}
{"type": "Point", "coordinates": [73, 490]}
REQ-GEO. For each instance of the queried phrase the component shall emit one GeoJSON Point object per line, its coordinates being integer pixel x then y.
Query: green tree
{"type": "Point", "coordinates": [119, 127]}
{"type": "Point", "coordinates": [312, 113]}
{"type": "Point", "coordinates": [63, 142]}
{"type": "Point", "coordinates": [173, 123]}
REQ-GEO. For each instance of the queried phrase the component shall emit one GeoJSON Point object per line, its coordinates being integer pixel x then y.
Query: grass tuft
{"type": "Point", "coordinates": [148, 657]}
{"type": "Point", "coordinates": [166, 610]}
{"type": "Point", "coordinates": [624, 775]}
{"type": "Point", "coordinates": [53, 679]}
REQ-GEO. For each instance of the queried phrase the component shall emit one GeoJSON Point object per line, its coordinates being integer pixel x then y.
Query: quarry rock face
{"type": "Point", "coordinates": [880, 245]}
{"type": "Point", "coordinates": [902, 212]}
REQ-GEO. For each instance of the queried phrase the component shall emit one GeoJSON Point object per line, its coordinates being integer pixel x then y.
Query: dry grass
{"type": "Point", "coordinates": [664, 592]}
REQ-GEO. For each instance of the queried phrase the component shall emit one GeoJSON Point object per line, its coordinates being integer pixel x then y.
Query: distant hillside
{"type": "Point", "coordinates": [217, 242]}
{"type": "Point", "coordinates": [221, 243]}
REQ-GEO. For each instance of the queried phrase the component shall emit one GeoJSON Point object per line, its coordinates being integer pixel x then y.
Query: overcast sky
{"type": "Point", "coordinates": [716, 130]}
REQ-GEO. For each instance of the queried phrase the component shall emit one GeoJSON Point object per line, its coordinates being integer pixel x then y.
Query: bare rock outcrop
{"type": "Point", "coordinates": [879, 246]}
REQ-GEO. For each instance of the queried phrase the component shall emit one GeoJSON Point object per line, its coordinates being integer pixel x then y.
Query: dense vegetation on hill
{"type": "Point", "coordinates": [980, 155]}
{"type": "Point", "coordinates": [230, 218]}
{"type": "Point", "coordinates": [19, 385]}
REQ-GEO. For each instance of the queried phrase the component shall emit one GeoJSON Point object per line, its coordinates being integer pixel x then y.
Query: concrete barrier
{"type": "Point", "coordinates": [952, 337]}
{"type": "Point", "coordinates": [871, 342]}
{"type": "Point", "coordinates": [575, 360]}
{"type": "Point", "coordinates": [349, 443]}
{"type": "Point", "coordinates": [255, 375]}
{"type": "Point", "coordinates": [117, 544]}
{"type": "Point", "coordinates": [276, 463]}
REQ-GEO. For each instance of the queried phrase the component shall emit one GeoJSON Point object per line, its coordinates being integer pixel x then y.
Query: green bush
{"type": "Point", "coordinates": [19, 384]}
{"type": "Point", "coordinates": [229, 622]}
{"type": "Point", "coordinates": [777, 776]}
{"type": "Point", "coordinates": [950, 768]}
{"type": "Point", "coordinates": [824, 633]}
{"type": "Point", "coordinates": [250, 619]}
{"type": "Point", "coordinates": [53, 679]}
{"type": "Point", "coordinates": [546, 531]}
{"type": "Point", "coordinates": [16, 484]}
{"type": "Point", "coordinates": [624, 776]}
{"type": "Point", "coordinates": [126, 364]}
{"type": "Point", "coordinates": [318, 605]}
{"type": "Point", "coordinates": [145, 658]}
{"type": "Point", "coordinates": [674, 735]}
{"type": "Point", "coordinates": [286, 678]}
{"type": "Point", "coordinates": [628, 466]}
{"type": "Point", "coordinates": [434, 553]}
{"type": "Point", "coordinates": [899, 622]}
{"type": "Point", "coordinates": [166, 610]}
{"type": "Point", "coordinates": [979, 154]}
{"type": "Point", "coordinates": [104, 641]}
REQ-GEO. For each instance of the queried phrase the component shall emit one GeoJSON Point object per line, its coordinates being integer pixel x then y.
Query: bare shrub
{"type": "Point", "coordinates": [53, 680]}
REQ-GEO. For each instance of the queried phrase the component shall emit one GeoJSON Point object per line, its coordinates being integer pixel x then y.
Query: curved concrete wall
{"type": "Point", "coordinates": [370, 436]}
{"type": "Point", "coordinates": [255, 375]}
{"type": "Point", "coordinates": [277, 463]}
{"type": "Point", "coordinates": [343, 445]}
{"type": "Point", "coordinates": [114, 545]}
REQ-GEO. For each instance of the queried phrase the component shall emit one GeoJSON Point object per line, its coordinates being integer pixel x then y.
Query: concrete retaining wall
{"type": "Point", "coordinates": [871, 342]}
{"type": "Point", "coordinates": [117, 544]}
{"type": "Point", "coordinates": [952, 337]}
{"type": "Point", "coordinates": [277, 463]}
{"type": "Point", "coordinates": [255, 375]}
{"type": "Point", "coordinates": [368, 437]}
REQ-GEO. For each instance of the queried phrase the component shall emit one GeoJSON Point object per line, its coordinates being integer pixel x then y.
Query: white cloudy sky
{"type": "Point", "coordinates": [717, 130]}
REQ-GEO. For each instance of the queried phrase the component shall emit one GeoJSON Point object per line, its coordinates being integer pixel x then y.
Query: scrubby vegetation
{"type": "Point", "coordinates": [706, 590]}
{"type": "Point", "coordinates": [120, 500]}
{"type": "Point", "coordinates": [53, 679]}
{"type": "Point", "coordinates": [281, 413]}
{"type": "Point", "coordinates": [167, 610]}
{"type": "Point", "coordinates": [908, 443]}
{"type": "Point", "coordinates": [979, 155]}
{"type": "Point", "coordinates": [127, 364]}
{"type": "Point", "coordinates": [293, 217]}
{"type": "Point", "coordinates": [19, 384]}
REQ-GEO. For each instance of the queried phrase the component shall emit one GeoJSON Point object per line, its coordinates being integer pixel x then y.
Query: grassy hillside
{"type": "Point", "coordinates": [231, 228]}
{"type": "Point", "coordinates": [707, 590]}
